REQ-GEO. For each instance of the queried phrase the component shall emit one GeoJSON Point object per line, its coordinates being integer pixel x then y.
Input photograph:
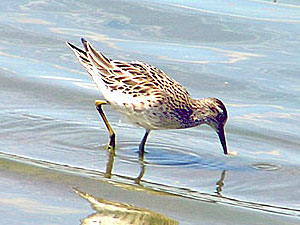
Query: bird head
{"type": "Point", "coordinates": [213, 113]}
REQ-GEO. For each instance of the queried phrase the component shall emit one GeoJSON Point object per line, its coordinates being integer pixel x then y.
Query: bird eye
{"type": "Point", "coordinates": [219, 116]}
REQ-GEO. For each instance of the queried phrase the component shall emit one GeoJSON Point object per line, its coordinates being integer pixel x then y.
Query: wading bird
{"type": "Point", "coordinates": [147, 97]}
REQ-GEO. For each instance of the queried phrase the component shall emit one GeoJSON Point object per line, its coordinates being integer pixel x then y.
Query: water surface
{"type": "Point", "coordinates": [243, 52]}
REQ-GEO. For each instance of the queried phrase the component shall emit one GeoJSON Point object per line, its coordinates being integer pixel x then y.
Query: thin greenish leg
{"type": "Point", "coordinates": [112, 137]}
{"type": "Point", "coordinates": [142, 145]}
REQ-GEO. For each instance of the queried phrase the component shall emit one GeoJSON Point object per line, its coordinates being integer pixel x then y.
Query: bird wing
{"type": "Point", "coordinates": [137, 79]}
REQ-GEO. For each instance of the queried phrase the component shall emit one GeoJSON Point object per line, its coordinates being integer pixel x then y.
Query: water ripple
{"type": "Point", "coordinates": [172, 155]}
{"type": "Point", "coordinates": [266, 166]}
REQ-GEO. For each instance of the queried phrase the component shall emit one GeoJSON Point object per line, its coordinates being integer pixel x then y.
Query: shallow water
{"type": "Point", "coordinates": [243, 52]}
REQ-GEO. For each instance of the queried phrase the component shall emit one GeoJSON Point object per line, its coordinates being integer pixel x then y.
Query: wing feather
{"type": "Point", "coordinates": [137, 79]}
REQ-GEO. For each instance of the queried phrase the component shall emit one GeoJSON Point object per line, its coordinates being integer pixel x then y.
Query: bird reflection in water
{"type": "Point", "coordinates": [113, 213]}
{"type": "Point", "coordinates": [137, 180]}
{"type": "Point", "coordinates": [220, 183]}
{"type": "Point", "coordinates": [110, 164]}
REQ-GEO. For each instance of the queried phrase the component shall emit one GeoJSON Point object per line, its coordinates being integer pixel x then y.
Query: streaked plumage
{"type": "Point", "coordinates": [147, 96]}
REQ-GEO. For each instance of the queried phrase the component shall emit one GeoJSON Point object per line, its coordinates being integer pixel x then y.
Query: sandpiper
{"type": "Point", "coordinates": [147, 97]}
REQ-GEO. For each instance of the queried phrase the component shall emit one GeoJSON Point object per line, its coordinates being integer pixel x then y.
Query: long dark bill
{"type": "Point", "coordinates": [222, 138]}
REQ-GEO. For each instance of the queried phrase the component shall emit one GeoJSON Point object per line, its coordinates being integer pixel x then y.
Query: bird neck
{"type": "Point", "coordinates": [198, 104]}
{"type": "Point", "coordinates": [202, 108]}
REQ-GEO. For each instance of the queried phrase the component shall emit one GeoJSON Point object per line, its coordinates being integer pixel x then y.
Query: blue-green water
{"type": "Point", "coordinates": [243, 52]}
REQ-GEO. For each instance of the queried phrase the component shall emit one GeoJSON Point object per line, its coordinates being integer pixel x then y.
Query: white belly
{"type": "Point", "coordinates": [130, 107]}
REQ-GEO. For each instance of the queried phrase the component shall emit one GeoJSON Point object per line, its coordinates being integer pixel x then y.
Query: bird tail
{"type": "Point", "coordinates": [81, 55]}
{"type": "Point", "coordinates": [97, 58]}
{"type": "Point", "coordinates": [89, 57]}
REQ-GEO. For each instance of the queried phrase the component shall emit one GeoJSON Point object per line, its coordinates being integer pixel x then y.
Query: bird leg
{"type": "Point", "coordinates": [112, 137]}
{"type": "Point", "coordinates": [142, 145]}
